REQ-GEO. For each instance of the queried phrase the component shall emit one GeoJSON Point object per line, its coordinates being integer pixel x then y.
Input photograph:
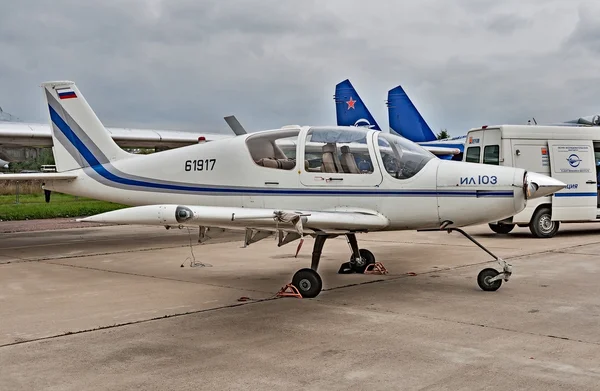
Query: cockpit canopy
{"type": "Point", "coordinates": [346, 150]}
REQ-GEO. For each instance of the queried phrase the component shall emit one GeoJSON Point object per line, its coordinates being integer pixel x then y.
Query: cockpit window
{"type": "Point", "coordinates": [402, 158]}
{"type": "Point", "coordinates": [339, 150]}
{"type": "Point", "coordinates": [275, 149]}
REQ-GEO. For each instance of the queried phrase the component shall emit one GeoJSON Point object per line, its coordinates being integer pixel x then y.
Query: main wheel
{"type": "Point", "coordinates": [483, 280]}
{"type": "Point", "coordinates": [502, 228]}
{"type": "Point", "coordinates": [308, 282]}
{"type": "Point", "coordinates": [542, 226]}
{"type": "Point", "coordinates": [366, 258]}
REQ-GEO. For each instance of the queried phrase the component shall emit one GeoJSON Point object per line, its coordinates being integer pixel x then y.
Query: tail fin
{"type": "Point", "coordinates": [350, 109]}
{"type": "Point", "coordinates": [405, 119]}
{"type": "Point", "coordinates": [79, 138]}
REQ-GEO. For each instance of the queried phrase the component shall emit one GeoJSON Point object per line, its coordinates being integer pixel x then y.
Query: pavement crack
{"type": "Point", "coordinates": [151, 276]}
{"type": "Point", "coordinates": [22, 260]}
{"type": "Point", "coordinates": [462, 322]}
{"type": "Point", "coordinates": [467, 323]}
{"type": "Point", "coordinates": [135, 322]}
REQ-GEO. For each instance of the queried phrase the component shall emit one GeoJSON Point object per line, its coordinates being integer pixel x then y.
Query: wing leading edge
{"type": "Point", "coordinates": [38, 176]}
{"type": "Point", "coordinates": [301, 222]}
{"type": "Point", "coordinates": [40, 135]}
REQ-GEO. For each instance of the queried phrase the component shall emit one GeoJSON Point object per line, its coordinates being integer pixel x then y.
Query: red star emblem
{"type": "Point", "coordinates": [350, 103]}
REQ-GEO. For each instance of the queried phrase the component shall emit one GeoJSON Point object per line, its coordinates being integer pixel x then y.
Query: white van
{"type": "Point", "coordinates": [567, 153]}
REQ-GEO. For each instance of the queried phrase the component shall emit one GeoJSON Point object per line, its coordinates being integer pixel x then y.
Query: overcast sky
{"type": "Point", "coordinates": [186, 64]}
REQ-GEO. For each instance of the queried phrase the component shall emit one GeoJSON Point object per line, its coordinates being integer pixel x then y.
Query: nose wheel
{"type": "Point", "coordinates": [488, 281]}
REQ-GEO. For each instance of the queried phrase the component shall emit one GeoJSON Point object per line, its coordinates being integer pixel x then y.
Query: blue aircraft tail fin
{"type": "Point", "coordinates": [350, 109]}
{"type": "Point", "coordinates": [405, 119]}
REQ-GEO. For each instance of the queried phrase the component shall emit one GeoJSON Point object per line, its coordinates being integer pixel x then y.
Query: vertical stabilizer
{"type": "Point", "coordinates": [80, 140]}
{"type": "Point", "coordinates": [350, 109]}
{"type": "Point", "coordinates": [405, 119]}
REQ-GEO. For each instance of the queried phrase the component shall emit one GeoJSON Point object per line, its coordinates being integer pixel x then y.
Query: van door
{"type": "Point", "coordinates": [473, 143]}
{"type": "Point", "coordinates": [492, 141]}
{"type": "Point", "coordinates": [573, 163]}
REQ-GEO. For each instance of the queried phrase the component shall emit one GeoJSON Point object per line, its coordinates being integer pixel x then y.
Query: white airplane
{"type": "Point", "coordinates": [248, 182]}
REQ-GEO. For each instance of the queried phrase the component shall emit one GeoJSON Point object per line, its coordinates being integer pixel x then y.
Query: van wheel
{"type": "Point", "coordinates": [501, 228]}
{"type": "Point", "coordinates": [542, 226]}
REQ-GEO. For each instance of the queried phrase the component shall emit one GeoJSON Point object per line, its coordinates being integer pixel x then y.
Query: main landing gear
{"type": "Point", "coordinates": [488, 279]}
{"type": "Point", "coordinates": [308, 281]}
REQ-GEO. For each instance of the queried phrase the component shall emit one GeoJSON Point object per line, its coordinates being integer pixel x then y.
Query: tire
{"type": "Point", "coordinates": [486, 274]}
{"type": "Point", "coordinates": [308, 282]}
{"type": "Point", "coordinates": [502, 228]}
{"type": "Point", "coordinates": [542, 226]}
{"type": "Point", "coordinates": [367, 258]}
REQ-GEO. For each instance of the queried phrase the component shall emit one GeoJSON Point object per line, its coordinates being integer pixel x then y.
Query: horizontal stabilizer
{"type": "Point", "coordinates": [38, 176]}
{"type": "Point", "coordinates": [235, 125]}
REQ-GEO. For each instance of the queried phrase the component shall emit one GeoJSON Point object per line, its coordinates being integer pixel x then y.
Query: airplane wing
{"type": "Point", "coordinates": [299, 222]}
{"type": "Point", "coordinates": [443, 151]}
{"type": "Point", "coordinates": [19, 134]}
{"type": "Point", "coordinates": [38, 176]}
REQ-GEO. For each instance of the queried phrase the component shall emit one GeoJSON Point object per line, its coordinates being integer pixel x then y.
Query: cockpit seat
{"type": "Point", "coordinates": [329, 152]}
{"type": "Point", "coordinates": [283, 164]}
{"type": "Point", "coordinates": [348, 162]}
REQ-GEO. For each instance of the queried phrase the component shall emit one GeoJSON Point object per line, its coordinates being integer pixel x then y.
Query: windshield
{"type": "Point", "coordinates": [402, 158]}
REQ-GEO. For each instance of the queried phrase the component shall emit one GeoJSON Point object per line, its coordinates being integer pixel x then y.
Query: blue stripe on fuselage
{"type": "Point", "coordinates": [105, 173]}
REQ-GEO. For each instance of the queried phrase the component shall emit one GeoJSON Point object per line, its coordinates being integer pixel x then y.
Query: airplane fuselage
{"type": "Point", "coordinates": [225, 173]}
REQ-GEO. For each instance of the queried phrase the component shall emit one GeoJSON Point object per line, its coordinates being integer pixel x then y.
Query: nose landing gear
{"type": "Point", "coordinates": [488, 279]}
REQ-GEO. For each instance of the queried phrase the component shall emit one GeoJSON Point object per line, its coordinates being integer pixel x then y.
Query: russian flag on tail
{"type": "Point", "coordinates": [66, 93]}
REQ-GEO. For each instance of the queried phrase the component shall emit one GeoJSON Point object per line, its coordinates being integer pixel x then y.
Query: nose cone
{"type": "Point", "coordinates": [539, 185]}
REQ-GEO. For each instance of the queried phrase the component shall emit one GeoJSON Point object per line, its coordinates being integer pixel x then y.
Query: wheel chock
{"type": "Point", "coordinates": [376, 268]}
{"type": "Point", "coordinates": [289, 291]}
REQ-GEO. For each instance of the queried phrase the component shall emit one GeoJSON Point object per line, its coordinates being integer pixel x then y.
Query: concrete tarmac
{"type": "Point", "coordinates": [128, 308]}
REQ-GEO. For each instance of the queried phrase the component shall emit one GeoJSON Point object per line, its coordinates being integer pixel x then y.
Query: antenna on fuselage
{"type": "Point", "coordinates": [235, 125]}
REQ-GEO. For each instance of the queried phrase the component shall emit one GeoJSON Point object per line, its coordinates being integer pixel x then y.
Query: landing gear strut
{"type": "Point", "coordinates": [488, 279]}
{"type": "Point", "coordinates": [309, 283]}
{"type": "Point", "coordinates": [360, 259]}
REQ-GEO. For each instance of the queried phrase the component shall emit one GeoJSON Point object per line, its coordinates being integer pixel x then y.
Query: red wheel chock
{"type": "Point", "coordinates": [289, 291]}
{"type": "Point", "coordinates": [376, 268]}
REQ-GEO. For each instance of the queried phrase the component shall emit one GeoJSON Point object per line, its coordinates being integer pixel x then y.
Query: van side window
{"type": "Point", "coordinates": [491, 154]}
{"type": "Point", "coordinates": [473, 154]}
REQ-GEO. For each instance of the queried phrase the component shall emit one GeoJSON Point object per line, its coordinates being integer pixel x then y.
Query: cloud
{"type": "Point", "coordinates": [185, 64]}
{"type": "Point", "coordinates": [507, 23]}
{"type": "Point", "coordinates": [586, 35]}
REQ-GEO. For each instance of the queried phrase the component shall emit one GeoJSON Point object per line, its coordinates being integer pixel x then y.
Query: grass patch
{"type": "Point", "coordinates": [33, 206]}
